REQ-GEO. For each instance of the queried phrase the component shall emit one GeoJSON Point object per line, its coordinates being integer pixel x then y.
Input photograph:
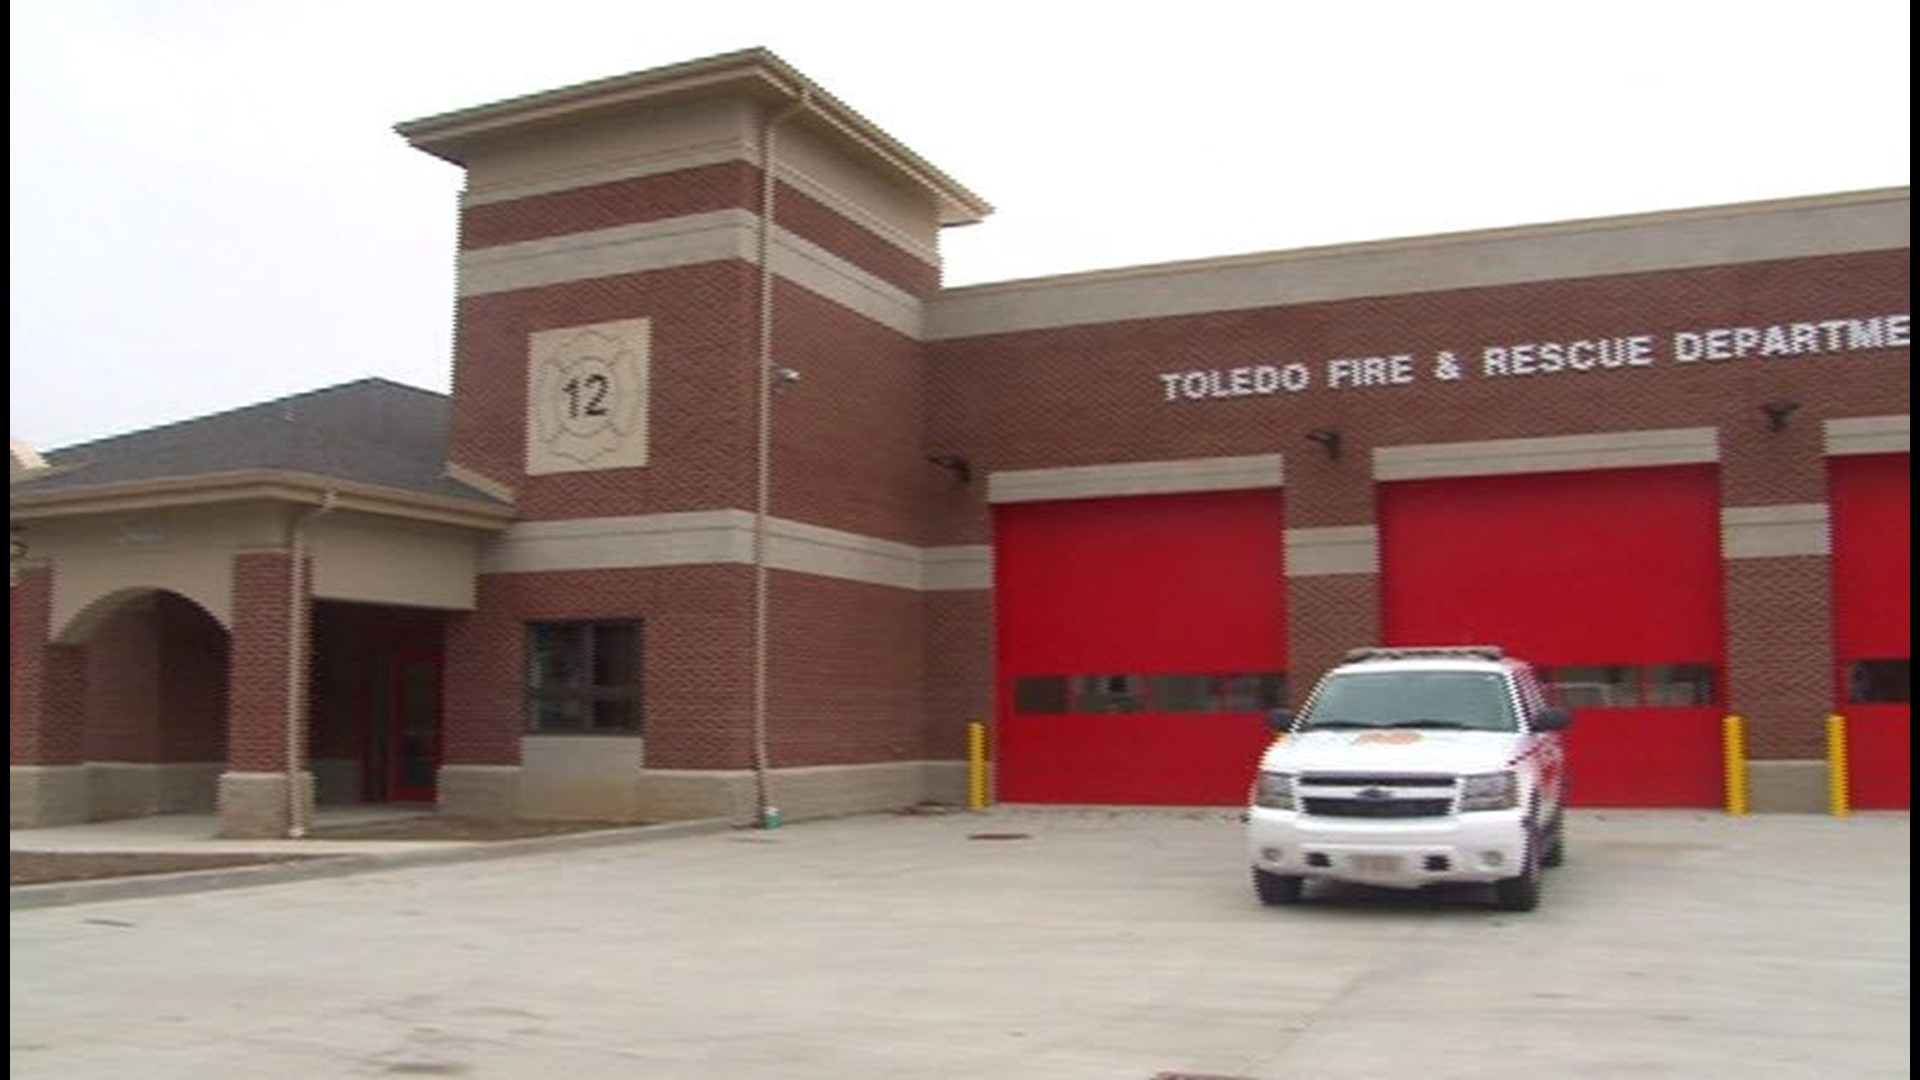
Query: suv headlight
{"type": "Point", "coordinates": [1274, 791]}
{"type": "Point", "coordinates": [1489, 791]}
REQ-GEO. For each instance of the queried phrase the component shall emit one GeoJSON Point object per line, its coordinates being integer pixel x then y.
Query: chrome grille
{"type": "Point", "coordinates": [1387, 780]}
{"type": "Point", "coordinates": [1327, 806]}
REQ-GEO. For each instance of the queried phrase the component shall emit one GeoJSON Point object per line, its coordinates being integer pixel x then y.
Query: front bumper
{"type": "Point", "coordinates": [1402, 853]}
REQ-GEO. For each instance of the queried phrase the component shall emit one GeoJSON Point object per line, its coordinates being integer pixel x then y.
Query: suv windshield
{"type": "Point", "coordinates": [1467, 700]}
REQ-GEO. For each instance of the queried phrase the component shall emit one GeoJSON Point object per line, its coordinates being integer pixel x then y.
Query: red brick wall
{"type": "Point", "coordinates": [156, 684]}
{"type": "Point", "coordinates": [123, 686]}
{"type": "Point", "coordinates": [807, 217]}
{"type": "Point", "coordinates": [959, 672]}
{"type": "Point", "coordinates": [1326, 616]}
{"type": "Point", "coordinates": [1780, 610]}
{"type": "Point", "coordinates": [29, 612]}
{"type": "Point", "coordinates": [257, 686]}
{"type": "Point", "coordinates": [845, 675]}
{"type": "Point", "coordinates": [856, 414]}
{"type": "Point", "coordinates": [697, 663]}
{"type": "Point", "coordinates": [732, 185]}
{"type": "Point", "coordinates": [848, 453]}
{"type": "Point", "coordinates": [1780, 653]}
{"type": "Point", "coordinates": [64, 707]}
{"type": "Point", "coordinates": [701, 435]}
{"type": "Point", "coordinates": [46, 684]}
{"type": "Point", "coordinates": [1088, 395]}
{"type": "Point", "coordinates": [847, 672]}
{"type": "Point", "coordinates": [852, 437]}
{"type": "Point", "coordinates": [848, 447]}
{"type": "Point", "coordinates": [193, 682]}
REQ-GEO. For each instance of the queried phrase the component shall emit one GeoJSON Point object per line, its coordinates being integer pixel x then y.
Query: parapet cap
{"type": "Point", "coordinates": [750, 74]}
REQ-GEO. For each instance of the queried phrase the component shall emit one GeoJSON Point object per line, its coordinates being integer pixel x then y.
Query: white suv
{"type": "Point", "coordinates": [1410, 767]}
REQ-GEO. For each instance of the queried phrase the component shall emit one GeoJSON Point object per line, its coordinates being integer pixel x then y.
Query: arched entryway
{"type": "Point", "coordinates": [150, 668]}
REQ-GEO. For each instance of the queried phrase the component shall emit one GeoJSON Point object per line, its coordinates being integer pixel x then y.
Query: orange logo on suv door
{"type": "Point", "coordinates": [1393, 737]}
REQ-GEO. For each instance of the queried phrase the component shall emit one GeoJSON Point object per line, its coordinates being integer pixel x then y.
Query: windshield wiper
{"type": "Point", "coordinates": [1313, 724]}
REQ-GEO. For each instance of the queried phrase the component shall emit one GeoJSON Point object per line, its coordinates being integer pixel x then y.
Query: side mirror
{"type": "Point", "coordinates": [1553, 718]}
{"type": "Point", "coordinates": [1280, 720]}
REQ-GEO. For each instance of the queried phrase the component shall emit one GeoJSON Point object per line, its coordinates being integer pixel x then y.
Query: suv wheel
{"type": "Point", "coordinates": [1276, 889]}
{"type": "Point", "coordinates": [1556, 848]}
{"type": "Point", "coordinates": [1521, 893]}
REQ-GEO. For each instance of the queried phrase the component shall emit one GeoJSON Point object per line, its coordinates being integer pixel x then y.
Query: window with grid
{"type": "Point", "coordinates": [1883, 681]}
{"type": "Point", "coordinates": [1232, 692]}
{"type": "Point", "coordinates": [583, 678]}
{"type": "Point", "coordinates": [1633, 686]}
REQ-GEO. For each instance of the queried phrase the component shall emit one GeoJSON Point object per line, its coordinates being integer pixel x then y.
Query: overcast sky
{"type": "Point", "coordinates": [209, 206]}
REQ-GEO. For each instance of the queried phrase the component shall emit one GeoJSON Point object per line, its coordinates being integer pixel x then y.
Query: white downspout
{"type": "Point", "coordinates": [765, 816]}
{"type": "Point", "coordinates": [297, 632]}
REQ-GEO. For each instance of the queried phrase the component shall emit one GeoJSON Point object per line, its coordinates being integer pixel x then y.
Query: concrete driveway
{"type": "Point", "coordinates": [1018, 943]}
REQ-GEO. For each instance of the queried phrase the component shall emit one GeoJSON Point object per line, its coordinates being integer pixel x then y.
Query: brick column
{"type": "Point", "coordinates": [1327, 614]}
{"type": "Point", "coordinates": [265, 694]}
{"type": "Point", "coordinates": [46, 700]}
{"type": "Point", "coordinates": [483, 682]}
{"type": "Point", "coordinates": [1775, 546]}
{"type": "Point", "coordinates": [1332, 561]}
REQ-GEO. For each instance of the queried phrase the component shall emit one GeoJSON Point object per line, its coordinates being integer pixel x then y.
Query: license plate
{"type": "Point", "coordinates": [1376, 864]}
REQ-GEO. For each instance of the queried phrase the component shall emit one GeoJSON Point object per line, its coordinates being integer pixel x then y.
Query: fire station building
{"type": "Point", "coordinates": [733, 506]}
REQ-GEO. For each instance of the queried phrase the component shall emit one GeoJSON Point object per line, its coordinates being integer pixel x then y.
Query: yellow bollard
{"type": "Point", "coordinates": [976, 765]}
{"type": "Point", "coordinates": [1837, 794]}
{"type": "Point", "coordinates": [1733, 749]}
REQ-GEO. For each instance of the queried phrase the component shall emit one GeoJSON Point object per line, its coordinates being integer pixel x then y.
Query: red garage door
{"type": "Point", "coordinates": [1609, 581]}
{"type": "Point", "coordinates": [1870, 502]}
{"type": "Point", "coordinates": [1140, 642]}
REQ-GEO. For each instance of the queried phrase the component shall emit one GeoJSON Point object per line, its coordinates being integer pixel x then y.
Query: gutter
{"type": "Point", "coordinates": [299, 628]}
{"type": "Point", "coordinates": [765, 814]}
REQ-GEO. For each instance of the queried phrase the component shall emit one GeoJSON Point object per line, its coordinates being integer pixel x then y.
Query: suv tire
{"type": "Point", "coordinates": [1521, 893]}
{"type": "Point", "coordinates": [1556, 847]}
{"type": "Point", "coordinates": [1277, 889]}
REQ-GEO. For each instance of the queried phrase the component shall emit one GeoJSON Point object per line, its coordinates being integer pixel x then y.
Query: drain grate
{"type": "Point", "coordinates": [999, 836]}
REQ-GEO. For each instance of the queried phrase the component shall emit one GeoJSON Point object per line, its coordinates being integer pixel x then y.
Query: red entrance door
{"type": "Point", "coordinates": [376, 698]}
{"type": "Point", "coordinates": [414, 746]}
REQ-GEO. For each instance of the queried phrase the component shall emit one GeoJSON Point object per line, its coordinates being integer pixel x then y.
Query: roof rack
{"type": "Point", "coordinates": [1411, 652]}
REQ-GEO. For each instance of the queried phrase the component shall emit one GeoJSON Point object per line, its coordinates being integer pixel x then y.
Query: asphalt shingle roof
{"type": "Point", "coordinates": [371, 431]}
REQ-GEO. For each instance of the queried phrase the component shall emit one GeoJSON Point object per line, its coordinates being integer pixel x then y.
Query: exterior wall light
{"type": "Point", "coordinates": [1329, 440]}
{"type": "Point", "coordinates": [960, 467]}
{"type": "Point", "coordinates": [1777, 413]}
